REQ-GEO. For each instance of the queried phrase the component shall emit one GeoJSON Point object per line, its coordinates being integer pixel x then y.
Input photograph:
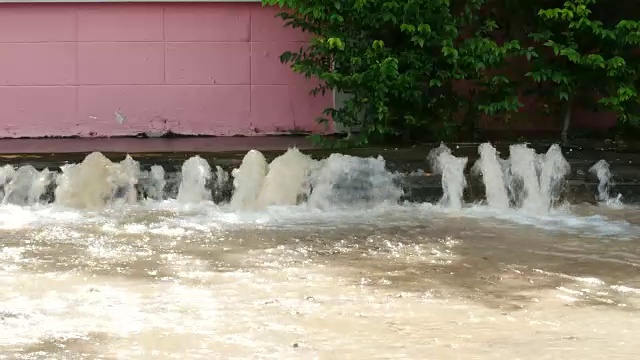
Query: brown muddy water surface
{"type": "Point", "coordinates": [314, 259]}
{"type": "Point", "coordinates": [401, 282]}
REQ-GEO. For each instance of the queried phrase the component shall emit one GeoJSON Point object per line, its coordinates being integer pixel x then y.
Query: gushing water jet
{"type": "Point", "coordinates": [451, 168]}
{"type": "Point", "coordinates": [248, 180]}
{"type": "Point", "coordinates": [156, 183]}
{"type": "Point", "coordinates": [344, 180]}
{"type": "Point", "coordinates": [24, 186]}
{"type": "Point", "coordinates": [523, 167]}
{"type": "Point", "coordinates": [288, 179]}
{"type": "Point", "coordinates": [492, 176]}
{"type": "Point", "coordinates": [96, 182]}
{"type": "Point", "coordinates": [196, 172]}
{"type": "Point", "coordinates": [536, 179]}
{"type": "Point", "coordinates": [602, 171]}
{"type": "Point", "coordinates": [554, 169]}
{"type": "Point", "coordinates": [529, 180]}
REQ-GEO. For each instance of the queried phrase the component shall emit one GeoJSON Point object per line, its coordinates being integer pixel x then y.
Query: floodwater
{"type": "Point", "coordinates": [369, 279]}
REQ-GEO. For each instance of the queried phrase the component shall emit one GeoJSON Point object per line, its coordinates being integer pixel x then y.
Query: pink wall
{"type": "Point", "coordinates": [208, 69]}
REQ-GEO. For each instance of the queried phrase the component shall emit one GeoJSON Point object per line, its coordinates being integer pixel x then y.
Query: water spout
{"type": "Point", "coordinates": [24, 186]}
{"type": "Point", "coordinates": [526, 179]}
{"type": "Point", "coordinates": [248, 180]}
{"type": "Point", "coordinates": [288, 179]}
{"type": "Point", "coordinates": [536, 179]}
{"type": "Point", "coordinates": [156, 183]}
{"type": "Point", "coordinates": [96, 182]}
{"type": "Point", "coordinates": [493, 177]}
{"type": "Point", "coordinates": [523, 166]}
{"type": "Point", "coordinates": [554, 169]}
{"type": "Point", "coordinates": [605, 181]}
{"type": "Point", "coordinates": [344, 180]}
{"type": "Point", "coordinates": [451, 168]}
{"type": "Point", "coordinates": [196, 172]}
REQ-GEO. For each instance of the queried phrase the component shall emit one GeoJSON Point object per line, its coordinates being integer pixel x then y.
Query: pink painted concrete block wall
{"type": "Point", "coordinates": [124, 69]}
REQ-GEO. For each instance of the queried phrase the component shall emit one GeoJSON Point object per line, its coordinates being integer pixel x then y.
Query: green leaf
{"type": "Point", "coordinates": [335, 18]}
{"type": "Point", "coordinates": [408, 28]}
{"type": "Point", "coordinates": [335, 43]}
{"type": "Point", "coordinates": [424, 28]}
{"type": "Point", "coordinates": [571, 54]}
{"type": "Point", "coordinates": [418, 40]}
{"type": "Point", "coordinates": [286, 56]}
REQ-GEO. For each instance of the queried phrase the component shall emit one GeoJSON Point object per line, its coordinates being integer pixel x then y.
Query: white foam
{"type": "Point", "coordinates": [175, 219]}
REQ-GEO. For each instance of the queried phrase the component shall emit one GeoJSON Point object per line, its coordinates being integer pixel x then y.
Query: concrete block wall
{"type": "Point", "coordinates": [118, 69]}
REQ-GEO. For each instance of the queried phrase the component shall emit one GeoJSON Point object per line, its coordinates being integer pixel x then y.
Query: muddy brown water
{"type": "Point", "coordinates": [164, 281]}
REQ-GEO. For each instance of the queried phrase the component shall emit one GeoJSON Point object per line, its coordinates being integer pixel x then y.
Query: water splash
{"type": "Point", "coordinates": [536, 179]}
{"type": "Point", "coordinates": [344, 180]}
{"type": "Point", "coordinates": [525, 185]}
{"type": "Point", "coordinates": [221, 181]}
{"type": "Point", "coordinates": [125, 176]}
{"type": "Point", "coordinates": [5, 173]}
{"type": "Point", "coordinates": [285, 181]}
{"type": "Point", "coordinates": [248, 180]}
{"type": "Point", "coordinates": [602, 171]}
{"type": "Point", "coordinates": [451, 168]}
{"type": "Point", "coordinates": [553, 170]}
{"type": "Point", "coordinates": [526, 179]}
{"type": "Point", "coordinates": [25, 186]}
{"type": "Point", "coordinates": [291, 179]}
{"type": "Point", "coordinates": [195, 174]}
{"type": "Point", "coordinates": [96, 182]}
{"type": "Point", "coordinates": [530, 181]}
{"type": "Point", "coordinates": [288, 181]}
{"type": "Point", "coordinates": [156, 183]}
{"type": "Point", "coordinates": [493, 176]}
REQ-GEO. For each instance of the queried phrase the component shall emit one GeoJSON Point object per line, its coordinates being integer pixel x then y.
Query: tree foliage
{"type": "Point", "coordinates": [590, 62]}
{"type": "Point", "coordinates": [401, 60]}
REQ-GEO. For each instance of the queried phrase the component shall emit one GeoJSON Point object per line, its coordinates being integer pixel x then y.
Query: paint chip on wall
{"type": "Point", "coordinates": [120, 117]}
